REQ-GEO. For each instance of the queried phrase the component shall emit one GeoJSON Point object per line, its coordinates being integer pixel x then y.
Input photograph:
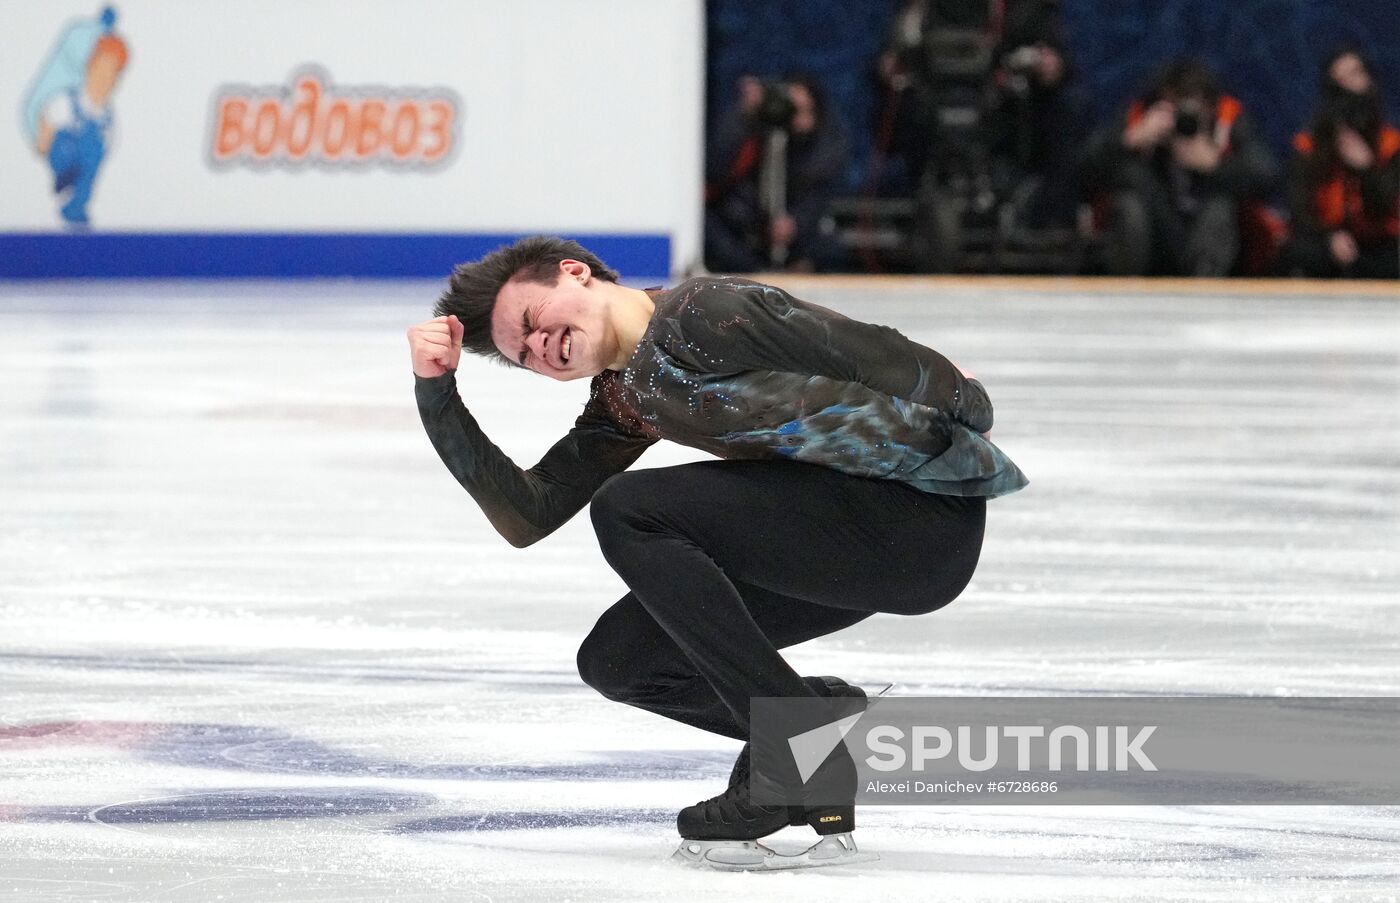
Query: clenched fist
{"type": "Point", "coordinates": [436, 346]}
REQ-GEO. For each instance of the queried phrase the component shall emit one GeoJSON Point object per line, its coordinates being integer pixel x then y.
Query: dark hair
{"type": "Point", "coordinates": [472, 290]}
{"type": "Point", "coordinates": [1185, 78]}
{"type": "Point", "coordinates": [1364, 113]}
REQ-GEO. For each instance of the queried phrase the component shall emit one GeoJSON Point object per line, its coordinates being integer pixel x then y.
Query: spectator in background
{"type": "Point", "coordinates": [772, 166]}
{"type": "Point", "coordinates": [1344, 179]}
{"type": "Point", "coordinates": [1040, 117]}
{"type": "Point", "coordinates": [907, 122]}
{"type": "Point", "coordinates": [1182, 165]}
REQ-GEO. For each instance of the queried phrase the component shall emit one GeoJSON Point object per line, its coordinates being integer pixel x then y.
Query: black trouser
{"type": "Point", "coordinates": [729, 561]}
{"type": "Point", "coordinates": [1204, 243]}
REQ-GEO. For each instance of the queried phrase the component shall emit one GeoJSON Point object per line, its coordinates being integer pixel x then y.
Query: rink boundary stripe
{"type": "Point", "coordinates": [221, 255]}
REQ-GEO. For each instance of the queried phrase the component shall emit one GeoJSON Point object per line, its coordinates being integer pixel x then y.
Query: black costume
{"type": "Point", "coordinates": [860, 488]}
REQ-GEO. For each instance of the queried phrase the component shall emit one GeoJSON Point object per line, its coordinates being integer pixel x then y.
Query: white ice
{"type": "Point", "coordinates": [256, 643]}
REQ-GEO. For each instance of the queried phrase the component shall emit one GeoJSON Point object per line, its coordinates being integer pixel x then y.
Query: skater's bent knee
{"type": "Point", "coordinates": [611, 501]}
{"type": "Point", "coordinates": [590, 667]}
{"type": "Point", "coordinates": [599, 653]}
{"type": "Point", "coordinates": [621, 500]}
{"type": "Point", "coordinates": [598, 667]}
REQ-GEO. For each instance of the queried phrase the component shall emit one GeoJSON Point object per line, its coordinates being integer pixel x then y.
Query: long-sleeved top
{"type": "Point", "coordinates": [740, 370]}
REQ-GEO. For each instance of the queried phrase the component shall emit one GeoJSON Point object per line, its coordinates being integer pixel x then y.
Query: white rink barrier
{"type": "Point", "coordinates": [161, 137]}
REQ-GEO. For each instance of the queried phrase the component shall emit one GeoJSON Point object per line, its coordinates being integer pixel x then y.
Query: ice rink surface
{"type": "Point", "coordinates": [257, 644]}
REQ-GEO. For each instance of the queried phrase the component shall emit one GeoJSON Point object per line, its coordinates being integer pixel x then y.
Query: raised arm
{"type": "Point", "coordinates": [523, 505]}
{"type": "Point", "coordinates": [731, 324]}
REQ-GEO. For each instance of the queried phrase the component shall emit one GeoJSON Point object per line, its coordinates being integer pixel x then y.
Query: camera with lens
{"type": "Point", "coordinates": [776, 110]}
{"type": "Point", "coordinates": [1190, 118]}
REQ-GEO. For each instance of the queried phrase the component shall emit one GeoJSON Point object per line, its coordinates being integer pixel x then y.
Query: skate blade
{"type": "Point", "coordinates": [752, 856]}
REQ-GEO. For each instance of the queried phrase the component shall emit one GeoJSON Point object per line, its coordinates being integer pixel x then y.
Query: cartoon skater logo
{"type": "Point", "coordinates": [68, 111]}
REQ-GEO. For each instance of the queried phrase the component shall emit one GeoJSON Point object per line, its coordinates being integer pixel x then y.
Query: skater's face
{"type": "Point", "coordinates": [537, 325]}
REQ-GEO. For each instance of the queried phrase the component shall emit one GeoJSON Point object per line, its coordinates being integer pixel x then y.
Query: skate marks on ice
{"type": "Point", "coordinates": [238, 750]}
{"type": "Point", "coordinates": [520, 679]}
{"type": "Point", "coordinates": [269, 750]}
{"type": "Point", "coordinates": [241, 804]}
{"type": "Point", "coordinates": [1275, 852]}
{"type": "Point", "coordinates": [1219, 854]}
{"type": "Point", "coordinates": [535, 820]}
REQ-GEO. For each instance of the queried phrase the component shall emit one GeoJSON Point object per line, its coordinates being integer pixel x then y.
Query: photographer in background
{"type": "Point", "coordinates": [1344, 179]}
{"type": "Point", "coordinates": [772, 166]}
{"type": "Point", "coordinates": [1182, 166]}
{"type": "Point", "coordinates": [1040, 114]}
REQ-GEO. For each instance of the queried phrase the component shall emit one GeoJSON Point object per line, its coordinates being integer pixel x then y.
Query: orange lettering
{"type": "Point", "coordinates": [337, 133]}
{"type": "Point", "coordinates": [440, 128]}
{"type": "Point", "coordinates": [371, 137]}
{"type": "Point", "coordinates": [404, 137]}
{"type": "Point", "coordinates": [229, 135]}
{"type": "Point", "coordinates": [266, 125]}
{"type": "Point", "coordinates": [301, 126]}
{"type": "Point", "coordinates": [316, 119]}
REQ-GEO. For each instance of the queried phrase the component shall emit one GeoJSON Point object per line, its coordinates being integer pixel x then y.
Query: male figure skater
{"type": "Point", "coordinates": [853, 477]}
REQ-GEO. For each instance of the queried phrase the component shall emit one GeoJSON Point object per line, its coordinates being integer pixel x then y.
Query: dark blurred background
{"type": "Point", "coordinates": [1266, 53]}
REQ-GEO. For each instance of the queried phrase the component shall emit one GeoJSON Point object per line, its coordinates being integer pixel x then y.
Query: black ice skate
{"type": "Point", "coordinates": [827, 686]}
{"type": "Point", "coordinates": [722, 832]}
{"type": "Point", "coordinates": [731, 816]}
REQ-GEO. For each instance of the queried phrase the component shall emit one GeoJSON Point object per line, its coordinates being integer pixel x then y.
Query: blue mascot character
{"type": "Point", "coordinates": [68, 112]}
